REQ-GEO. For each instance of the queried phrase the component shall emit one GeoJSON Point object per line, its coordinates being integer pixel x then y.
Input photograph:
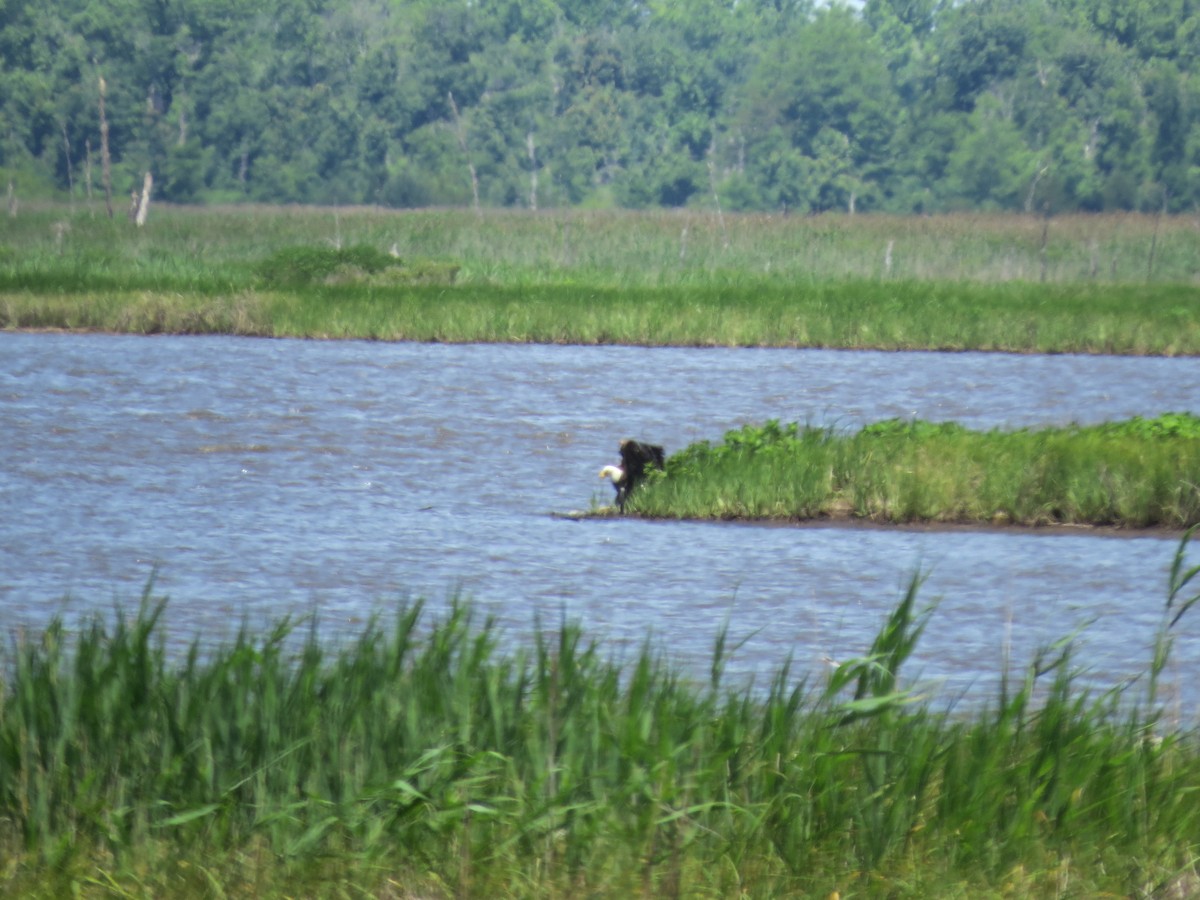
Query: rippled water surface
{"type": "Point", "coordinates": [264, 478]}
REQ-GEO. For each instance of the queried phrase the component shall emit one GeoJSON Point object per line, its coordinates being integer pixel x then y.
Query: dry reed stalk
{"type": "Point", "coordinates": [87, 169]}
{"type": "Point", "coordinates": [712, 183]}
{"type": "Point", "coordinates": [533, 178]}
{"type": "Point", "coordinates": [70, 168]}
{"type": "Point", "coordinates": [105, 159]}
{"type": "Point", "coordinates": [462, 144]}
{"type": "Point", "coordinates": [1154, 237]}
{"type": "Point", "coordinates": [1045, 240]}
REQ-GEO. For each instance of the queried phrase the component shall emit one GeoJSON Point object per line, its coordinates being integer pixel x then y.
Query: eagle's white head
{"type": "Point", "coordinates": [616, 474]}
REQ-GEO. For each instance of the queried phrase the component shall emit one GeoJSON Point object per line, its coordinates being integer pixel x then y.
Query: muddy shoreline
{"type": "Point", "coordinates": [854, 523]}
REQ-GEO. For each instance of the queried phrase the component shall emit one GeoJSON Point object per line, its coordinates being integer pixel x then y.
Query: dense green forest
{"type": "Point", "coordinates": [896, 105]}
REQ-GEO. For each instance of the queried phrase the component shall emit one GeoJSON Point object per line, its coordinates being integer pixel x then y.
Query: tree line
{"type": "Point", "coordinates": [895, 105]}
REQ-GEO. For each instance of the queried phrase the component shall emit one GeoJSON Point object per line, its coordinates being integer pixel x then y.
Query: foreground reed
{"type": "Point", "coordinates": [1135, 474]}
{"type": "Point", "coordinates": [1085, 284]}
{"type": "Point", "coordinates": [424, 761]}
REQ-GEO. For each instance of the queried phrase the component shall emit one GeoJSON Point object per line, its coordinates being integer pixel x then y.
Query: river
{"type": "Point", "coordinates": [255, 479]}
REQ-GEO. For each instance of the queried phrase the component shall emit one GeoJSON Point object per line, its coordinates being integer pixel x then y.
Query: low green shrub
{"type": "Point", "coordinates": [1166, 426]}
{"type": "Point", "coordinates": [306, 265]}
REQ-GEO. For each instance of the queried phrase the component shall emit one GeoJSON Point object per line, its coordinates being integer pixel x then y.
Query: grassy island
{"type": "Point", "coordinates": [423, 761]}
{"type": "Point", "coordinates": [1099, 284]}
{"type": "Point", "coordinates": [1139, 473]}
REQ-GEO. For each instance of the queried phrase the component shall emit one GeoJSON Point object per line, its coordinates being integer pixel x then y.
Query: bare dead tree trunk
{"type": "Point", "coordinates": [143, 204]}
{"type": "Point", "coordinates": [12, 199]}
{"type": "Point", "coordinates": [1029, 197]}
{"type": "Point", "coordinates": [60, 231]}
{"type": "Point", "coordinates": [462, 144]}
{"type": "Point", "coordinates": [105, 159]}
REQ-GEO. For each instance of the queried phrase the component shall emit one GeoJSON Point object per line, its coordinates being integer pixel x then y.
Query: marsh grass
{"type": "Point", "coordinates": [625, 249]}
{"type": "Point", "coordinates": [956, 282]}
{"type": "Point", "coordinates": [849, 315]}
{"type": "Point", "coordinates": [422, 759]}
{"type": "Point", "coordinates": [1135, 474]}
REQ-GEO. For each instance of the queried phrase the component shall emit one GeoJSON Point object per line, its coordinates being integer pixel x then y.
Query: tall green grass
{"type": "Point", "coordinates": [425, 760]}
{"type": "Point", "coordinates": [1134, 474]}
{"type": "Point", "coordinates": [1117, 320]}
{"type": "Point", "coordinates": [953, 282]}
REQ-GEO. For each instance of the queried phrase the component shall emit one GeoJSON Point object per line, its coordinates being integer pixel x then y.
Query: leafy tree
{"type": "Point", "coordinates": [826, 78]}
{"type": "Point", "coordinates": [900, 104]}
{"type": "Point", "coordinates": [981, 45]}
{"type": "Point", "coordinates": [990, 168]}
{"type": "Point", "coordinates": [181, 174]}
{"type": "Point", "coordinates": [1170, 126]}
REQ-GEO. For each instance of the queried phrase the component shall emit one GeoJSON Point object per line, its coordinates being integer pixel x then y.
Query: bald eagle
{"type": "Point", "coordinates": [636, 457]}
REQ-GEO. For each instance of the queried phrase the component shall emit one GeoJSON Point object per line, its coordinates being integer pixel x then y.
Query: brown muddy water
{"type": "Point", "coordinates": [257, 479]}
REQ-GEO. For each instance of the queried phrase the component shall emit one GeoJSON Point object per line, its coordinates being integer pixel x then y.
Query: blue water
{"type": "Point", "coordinates": [256, 479]}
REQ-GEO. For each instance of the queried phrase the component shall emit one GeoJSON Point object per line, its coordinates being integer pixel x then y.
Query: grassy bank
{"type": "Point", "coordinates": [1094, 285]}
{"type": "Point", "coordinates": [1116, 320]}
{"type": "Point", "coordinates": [422, 761]}
{"type": "Point", "coordinates": [1135, 474]}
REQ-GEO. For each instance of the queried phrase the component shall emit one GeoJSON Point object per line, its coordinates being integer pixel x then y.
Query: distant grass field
{"type": "Point", "coordinates": [424, 762]}
{"type": "Point", "coordinates": [1124, 285]}
{"type": "Point", "coordinates": [1134, 474]}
